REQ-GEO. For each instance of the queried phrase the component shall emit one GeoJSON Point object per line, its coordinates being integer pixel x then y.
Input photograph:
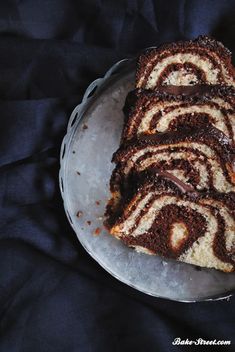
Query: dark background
{"type": "Point", "coordinates": [53, 296]}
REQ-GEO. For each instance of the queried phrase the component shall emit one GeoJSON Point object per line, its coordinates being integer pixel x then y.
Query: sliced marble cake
{"type": "Point", "coordinates": [171, 108]}
{"type": "Point", "coordinates": [202, 159]}
{"type": "Point", "coordinates": [173, 187]}
{"type": "Point", "coordinates": [200, 61]}
{"type": "Point", "coordinates": [159, 218]}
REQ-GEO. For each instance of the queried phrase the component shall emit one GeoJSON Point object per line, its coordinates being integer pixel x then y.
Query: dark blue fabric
{"type": "Point", "coordinates": [53, 296]}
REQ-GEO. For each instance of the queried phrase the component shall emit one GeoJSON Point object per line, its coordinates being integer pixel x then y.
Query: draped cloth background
{"type": "Point", "coordinates": [53, 296]}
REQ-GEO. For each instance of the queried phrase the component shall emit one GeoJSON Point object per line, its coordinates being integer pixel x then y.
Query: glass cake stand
{"type": "Point", "coordinates": [93, 134]}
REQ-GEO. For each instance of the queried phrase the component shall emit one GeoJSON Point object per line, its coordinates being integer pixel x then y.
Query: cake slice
{"type": "Point", "coordinates": [171, 108]}
{"type": "Point", "coordinates": [200, 159]}
{"type": "Point", "coordinates": [193, 228]}
{"type": "Point", "coordinates": [200, 61]}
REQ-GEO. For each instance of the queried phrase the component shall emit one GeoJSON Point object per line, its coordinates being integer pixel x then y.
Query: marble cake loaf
{"type": "Point", "coordinates": [200, 61]}
{"type": "Point", "coordinates": [200, 159]}
{"type": "Point", "coordinates": [173, 187]}
{"type": "Point", "coordinates": [199, 229]}
{"type": "Point", "coordinates": [174, 108]}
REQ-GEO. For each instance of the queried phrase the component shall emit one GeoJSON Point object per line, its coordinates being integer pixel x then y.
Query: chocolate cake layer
{"type": "Point", "coordinates": [200, 227]}
{"type": "Point", "coordinates": [200, 61]}
{"type": "Point", "coordinates": [173, 108]}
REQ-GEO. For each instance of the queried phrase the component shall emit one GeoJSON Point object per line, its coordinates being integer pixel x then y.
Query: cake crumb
{"type": "Point", "coordinates": [97, 202]}
{"type": "Point", "coordinates": [74, 152]}
{"type": "Point", "coordinates": [88, 222]}
{"type": "Point", "coordinates": [97, 231]}
{"type": "Point", "coordinates": [79, 213]}
{"type": "Point", "coordinates": [78, 173]}
{"type": "Point", "coordinates": [198, 268]}
{"type": "Point", "coordinates": [84, 127]}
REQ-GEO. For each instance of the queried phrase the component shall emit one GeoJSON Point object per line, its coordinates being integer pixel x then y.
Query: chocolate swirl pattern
{"type": "Point", "coordinates": [200, 61]}
{"type": "Point", "coordinates": [158, 111]}
{"type": "Point", "coordinates": [173, 187]}
{"type": "Point", "coordinates": [197, 158]}
{"type": "Point", "coordinates": [199, 228]}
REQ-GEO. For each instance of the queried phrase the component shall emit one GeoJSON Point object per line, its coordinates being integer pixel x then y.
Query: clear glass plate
{"type": "Point", "coordinates": [93, 135]}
